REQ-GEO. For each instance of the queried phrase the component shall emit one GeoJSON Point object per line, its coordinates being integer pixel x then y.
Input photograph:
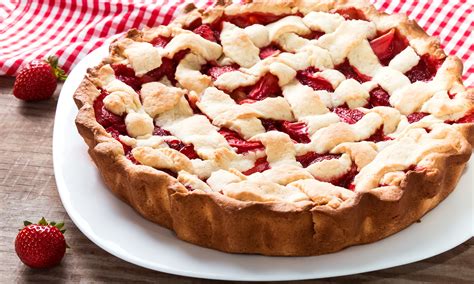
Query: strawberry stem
{"type": "Point", "coordinates": [58, 72]}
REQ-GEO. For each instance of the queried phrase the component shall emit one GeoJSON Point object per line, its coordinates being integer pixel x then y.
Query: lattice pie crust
{"type": "Point", "coordinates": [279, 127]}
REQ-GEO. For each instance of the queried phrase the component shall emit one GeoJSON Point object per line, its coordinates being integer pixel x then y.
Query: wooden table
{"type": "Point", "coordinates": [28, 191]}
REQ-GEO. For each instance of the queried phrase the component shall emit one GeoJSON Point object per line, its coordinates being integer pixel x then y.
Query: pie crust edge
{"type": "Point", "coordinates": [219, 222]}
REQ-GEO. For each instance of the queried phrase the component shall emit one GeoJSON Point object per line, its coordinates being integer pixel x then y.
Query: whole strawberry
{"type": "Point", "coordinates": [41, 245]}
{"type": "Point", "coordinates": [38, 80]}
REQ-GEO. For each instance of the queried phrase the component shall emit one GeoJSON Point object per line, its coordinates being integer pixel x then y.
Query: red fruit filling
{"type": "Point", "coordinates": [346, 179]}
{"type": "Point", "coordinates": [206, 32]}
{"type": "Point", "coordinates": [298, 131]}
{"type": "Point", "coordinates": [424, 70]}
{"type": "Point", "coordinates": [160, 41]}
{"type": "Point", "coordinates": [314, 35]}
{"type": "Point", "coordinates": [161, 131]}
{"type": "Point", "coordinates": [351, 14]}
{"type": "Point", "coordinates": [216, 71]}
{"type": "Point", "coordinates": [343, 181]}
{"type": "Point", "coordinates": [313, 157]}
{"type": "Point", "coordinates": [416, 116]}
{"type": "Point", "coordinates": [351, 72]}
{"type": "Point", "coordinates": [194, 24]}
{"type": "Point", "coordinates": [468, 118]}
{"type": "Point", "coordinates": [242, 146]}
{"type": "Point", "coordinates": [348, 115]}
{"type": "Point", "coordinates": [179, 146]}
{"type": "Point", "coordinates": [266, 87]}
{"type": "Point", "coordinates": [248, 19]}
{"type": "Point", "coordinates": [379, 97]}
{"type": "Point", "coordinates": [106, 118]}
{"type": "Point", "coordinates": [378, 136]}
{"type": "Point", "coordinates": [176, 144]}
{"type": "Point", "coordinates": [269, 51]}
{"type": "Point", "coordinates": [167, 68]}
{"type": "Point", "coordinates": [261, 165]}
{"type": "Point", "coordinates": [307, 77]}
{"type": "Point", "coordinates": [388, 45]}
{"type": "Point", "coordinates": [126, 149]}
{"type": "Point", "coordinates": [127, 75]}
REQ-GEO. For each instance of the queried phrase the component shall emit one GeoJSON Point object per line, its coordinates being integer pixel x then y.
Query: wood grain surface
{"type": "Point", "coordinates": [28, 191]}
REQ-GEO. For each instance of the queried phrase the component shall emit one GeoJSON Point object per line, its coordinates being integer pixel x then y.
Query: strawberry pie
{"type": "Point", "coordinates": [279, 127]}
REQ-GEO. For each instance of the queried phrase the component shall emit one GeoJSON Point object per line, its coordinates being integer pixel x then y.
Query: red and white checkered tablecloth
{"type": "Point", "coordinates": [72, 28]}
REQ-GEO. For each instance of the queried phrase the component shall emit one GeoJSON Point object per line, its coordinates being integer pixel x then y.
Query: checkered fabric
{"type": "Point", "coordinates": [71, 29]}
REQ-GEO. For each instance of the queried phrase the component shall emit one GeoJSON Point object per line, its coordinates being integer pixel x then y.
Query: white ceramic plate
{"type": "Point", "coordinates": [116, 228]}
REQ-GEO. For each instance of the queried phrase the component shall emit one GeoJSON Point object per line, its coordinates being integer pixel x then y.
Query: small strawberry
{"type": "Point", "coordinates": [38, 80]}
{"type": "Point", "coordinates": [41, 245]}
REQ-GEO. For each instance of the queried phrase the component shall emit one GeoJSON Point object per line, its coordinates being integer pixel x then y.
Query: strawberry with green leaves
{"type": "Point", "coordinates": [41, 245]}
{"type": "Point", "coordinates": [38, 80]}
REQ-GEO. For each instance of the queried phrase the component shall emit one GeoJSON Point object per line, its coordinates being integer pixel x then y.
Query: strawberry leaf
{"type": "Point", "coordinates": [59, 225]}
{"type": "Point", "coordinates": [42, 222]}
{"type": "Point", "coordinates": [26, 223]}
{"type": "Point", "coordinates": [58, 72]}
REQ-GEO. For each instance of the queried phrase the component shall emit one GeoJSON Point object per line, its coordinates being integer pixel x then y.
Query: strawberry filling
{"type": "Point", "coordinates": [424, 70]}
{"type": "Point", "coordinates": [347, 179]}
{"type": "Point", "coordinates": [261, 165]}
{"type": "Point", "coordinates": [379, 97]}
{"type": "Point", "coordinates": [378, 136]}
{"type": "Point", "coordinates": [206, 32]}
{"type": "Point", "coordinates": [307, 77]}
{"type": "Point", "coordinates": [388, 45]}
{"type": "Point", "coordinates": [126, 149]}
{"type": "Point", "coordinates": [160, 41]}
{"type": "Point", "coordinates": [313, 157]}
{"type": "Point", "coordinates": [351, 72]}
{"type": "Point", "coordinates": [186, 149]}
{"type": "Point", "coordinates": [314, 35]}
{"type": "Point", "coordinates": [269, 51]}
{"type": "Point", "coordinates": [451, 95]}
{"type": "Point", "coordinates": [242, 146]}
{"type": "Point", "coordinates": [158, 131]}
{"type": "Point", "coordinates": [127, 75]}
{"type": "Point", "coordinates": [266, 87]}
{"type": "Point", "coordinates": [216, 71]}
{"type": "Point", "coordinates": [298, 131]}
{"type": "Point", "coordinates": [248, 19]}
{"type": "Point", "coordinates": [416, 116]}
{"type": "Point", "coordinates": [348, 115]}
{"type": "Point", "coordinates": [167, 68]}
{"type": "Point", "coordinates": [194, 24]}
{"type": "Point", "coordinates": [351, 14]}
{"type": "Point", "coordinates": [106, 118]}
{"type": "Point", "coordinates": [468, 118]}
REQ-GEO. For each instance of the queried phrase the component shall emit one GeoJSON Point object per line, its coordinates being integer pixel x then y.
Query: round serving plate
{"type": "Point", "coordinates": [118, 229]}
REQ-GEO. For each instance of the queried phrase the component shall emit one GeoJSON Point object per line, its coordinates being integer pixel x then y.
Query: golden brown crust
{"type": "Point", "coordinates": [216, 221]}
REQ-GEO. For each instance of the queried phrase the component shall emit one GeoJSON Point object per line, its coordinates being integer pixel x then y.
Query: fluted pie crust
{"type": "Point", "coordinates": [214, 220]}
